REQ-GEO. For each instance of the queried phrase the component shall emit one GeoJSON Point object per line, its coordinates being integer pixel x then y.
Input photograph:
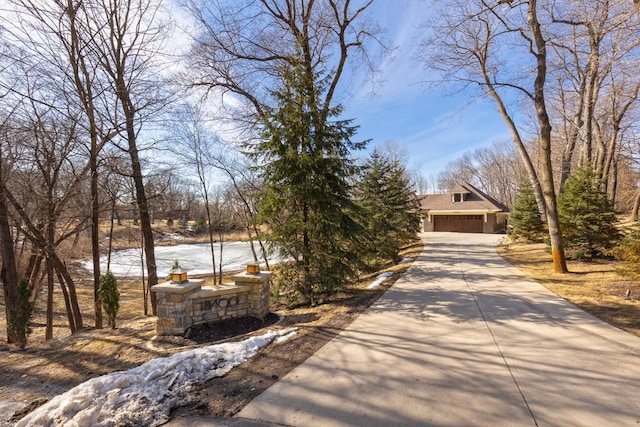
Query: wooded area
{"type": "Point", "coordinates": [104, 121]}
{"type": "Point", "coordinates": [241, 128]}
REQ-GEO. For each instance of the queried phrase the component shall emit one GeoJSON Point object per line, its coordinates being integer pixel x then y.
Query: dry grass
{"type": "Point", "coordinates": [593, 286]}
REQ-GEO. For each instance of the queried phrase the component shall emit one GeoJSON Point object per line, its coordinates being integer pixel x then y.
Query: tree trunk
{"type": "Point", "coordinates": [636, 207]}
{"type": "Point", "coordinates": [113, 211]}
{"type": "Point", "coordinates": [95, 236]}
{"type": "Point", "coordinates": [141, 197]}
{"type": "Point", "coordinates": [614, 181]}
{"type": "Point", "coordinates": [49, 250]}
{"type": "Point", "coordinates": [517, 140]}
{"type": "Point", "coordinates": [9, 274]}
{"type": "Point", "coordinates": [67, 303]}
{"type": "Point", "coordinates": [555, 235]}
{"type": "Point", "coordinates": [221, 240]}
{"type": "Point", "coordinates": [48, 334]}
{"type": "Point", "coordinates": [572, 137]}
{"type": "Point", "coordinates": [210, 232]}
{"type": "Point", "coordinates": [83, 80]}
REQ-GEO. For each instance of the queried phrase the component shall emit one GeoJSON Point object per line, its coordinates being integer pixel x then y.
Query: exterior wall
{"type": "Point", "coordinates": [426, 224]}
{"type": "Point", "coordinates": [489, 225]}
{"type": "Point", "coordinates": [182, 305]}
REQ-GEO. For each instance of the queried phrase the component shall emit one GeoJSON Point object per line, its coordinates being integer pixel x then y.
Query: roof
{"type": "Point", "coordinates": [475, 201]}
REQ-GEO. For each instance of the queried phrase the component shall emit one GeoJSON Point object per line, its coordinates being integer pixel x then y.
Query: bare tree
{"type": "Point", "coordinates": [593, 65]}
{"type": "Point", "coordinates": [193, 144]}
{"type": "Point", "coordinates": [62, 61]}
{"type": "Point", "coordinates": [92, 64]}
{"type": "Point", "coordinates": [49, 209]}
{"type": "Point", "coordinates": [496, 170]}
{"type": "Point", "coordinates": [473, 43]}
{"type": "Point", "coordinates": [243, 46]}
{"type": "Point", "coordinates": [9, 273]}
{"type": "Point", "coordinates": [126, 40]}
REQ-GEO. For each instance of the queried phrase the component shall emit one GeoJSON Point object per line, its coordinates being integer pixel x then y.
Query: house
{"type": "Point", "coordinates": [464, 209]}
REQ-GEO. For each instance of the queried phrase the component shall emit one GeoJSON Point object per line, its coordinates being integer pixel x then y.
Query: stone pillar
{"type": "Point", "coordinates": [260, 293]}
{"type": "Point", "coordinates": [173, 307]}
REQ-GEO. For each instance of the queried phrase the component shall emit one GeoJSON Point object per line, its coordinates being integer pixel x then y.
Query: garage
{"type": "Point", "coordinates": [464, 209]}
{"type": "Point", "coordinates": [458, 223]}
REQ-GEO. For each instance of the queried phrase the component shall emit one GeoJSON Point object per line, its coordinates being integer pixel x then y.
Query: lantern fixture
{"type": "Point", "coordinates": [178, 275]}
{"type": "Point", "coordinates": [253, 268]}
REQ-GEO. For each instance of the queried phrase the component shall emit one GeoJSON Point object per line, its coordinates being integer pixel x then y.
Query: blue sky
{"type": "Point", "coordinates": [432, 126]}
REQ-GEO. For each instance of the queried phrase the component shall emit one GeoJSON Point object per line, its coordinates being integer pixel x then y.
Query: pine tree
{"type": "Point", "coordinates": [587, 218]}
{"type": "Point", "coordinates": [525, 221]}
{"type": "Point", "coordinates": [306, 197]}
{"type": "Point", "coordinates": [390, 209]}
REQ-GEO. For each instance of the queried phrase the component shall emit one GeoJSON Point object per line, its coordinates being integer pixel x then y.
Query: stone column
{"type": "Point", "coordinates": [260, 293]}
{"type": "Point", "coordinates": [173, 306]}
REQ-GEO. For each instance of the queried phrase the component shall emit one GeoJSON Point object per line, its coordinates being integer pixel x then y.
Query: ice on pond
{"type": "Point", "coordinates": [194, 258]}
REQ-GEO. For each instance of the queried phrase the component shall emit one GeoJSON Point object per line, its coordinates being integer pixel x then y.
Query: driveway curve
{"type": "Point", "coordinates": [463, 339]}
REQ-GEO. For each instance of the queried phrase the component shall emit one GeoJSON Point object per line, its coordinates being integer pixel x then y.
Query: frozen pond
{"type": "Point", "coordinates": [195, 258]}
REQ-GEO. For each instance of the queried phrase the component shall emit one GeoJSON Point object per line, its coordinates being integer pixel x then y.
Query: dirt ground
{"type": "Point", "coordinates": [31, 377]}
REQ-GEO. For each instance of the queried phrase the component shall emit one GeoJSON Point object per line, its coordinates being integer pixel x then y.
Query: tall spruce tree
{"type": "Point", "coordinates": [390, 208]}
{"type": "Point", "coordinates": [525, 221]}
{"type": "Point", "coordinates": [305, 155]}
{"type": "Point", "coordinates": [587, 218]}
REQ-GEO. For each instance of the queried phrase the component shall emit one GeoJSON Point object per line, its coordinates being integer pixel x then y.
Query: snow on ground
{"type": "Point", "coordinates": [195, 258]}
{"type": "Point", "coordinates": [405, 260]}
{"type": "Point", "coordinates": [380, 279]}
{"type": "Point", "coordinates": [144, 396]}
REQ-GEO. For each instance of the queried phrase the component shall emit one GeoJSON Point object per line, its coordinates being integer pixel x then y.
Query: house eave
{"type": "Point", "coordinates": [461, 211]}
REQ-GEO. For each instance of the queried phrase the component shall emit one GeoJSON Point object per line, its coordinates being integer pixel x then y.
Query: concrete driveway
{"type": "Point", "coordinates": [463, 338]}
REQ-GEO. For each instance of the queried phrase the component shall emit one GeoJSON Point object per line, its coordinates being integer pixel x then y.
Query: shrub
{"type": "Point", "coordinates": [200, 226]}
{"type": "Point", "coordinates": [109, 297]}
{"type": "Point", "coordinates": [19, 320]}
{"type": "Point", "coordinates": [628, 250]}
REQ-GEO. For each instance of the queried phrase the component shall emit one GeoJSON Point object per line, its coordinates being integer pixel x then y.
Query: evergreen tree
{"type": "Point", "coordinates": [390, 209]}
{"type": "Point", "coordinates": [587, 218]}
{"type": "Point", "coordinates": [306, 196]}
{"type": "Point", "coordinates": [525, 221]}
{"type": "Point", "coordinates": [109, 297]}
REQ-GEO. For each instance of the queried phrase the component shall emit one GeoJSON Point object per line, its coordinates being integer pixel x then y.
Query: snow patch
{"type": "Point", "coordinates": [380, 279]}
{"type": "Point", "coordinates": [144, 396]}
{"type": "Point", "coordinates": [405, 260]}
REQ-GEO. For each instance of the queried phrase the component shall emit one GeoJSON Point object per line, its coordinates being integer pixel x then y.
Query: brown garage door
{"type": "Point", "coordinates": [458, 223]}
